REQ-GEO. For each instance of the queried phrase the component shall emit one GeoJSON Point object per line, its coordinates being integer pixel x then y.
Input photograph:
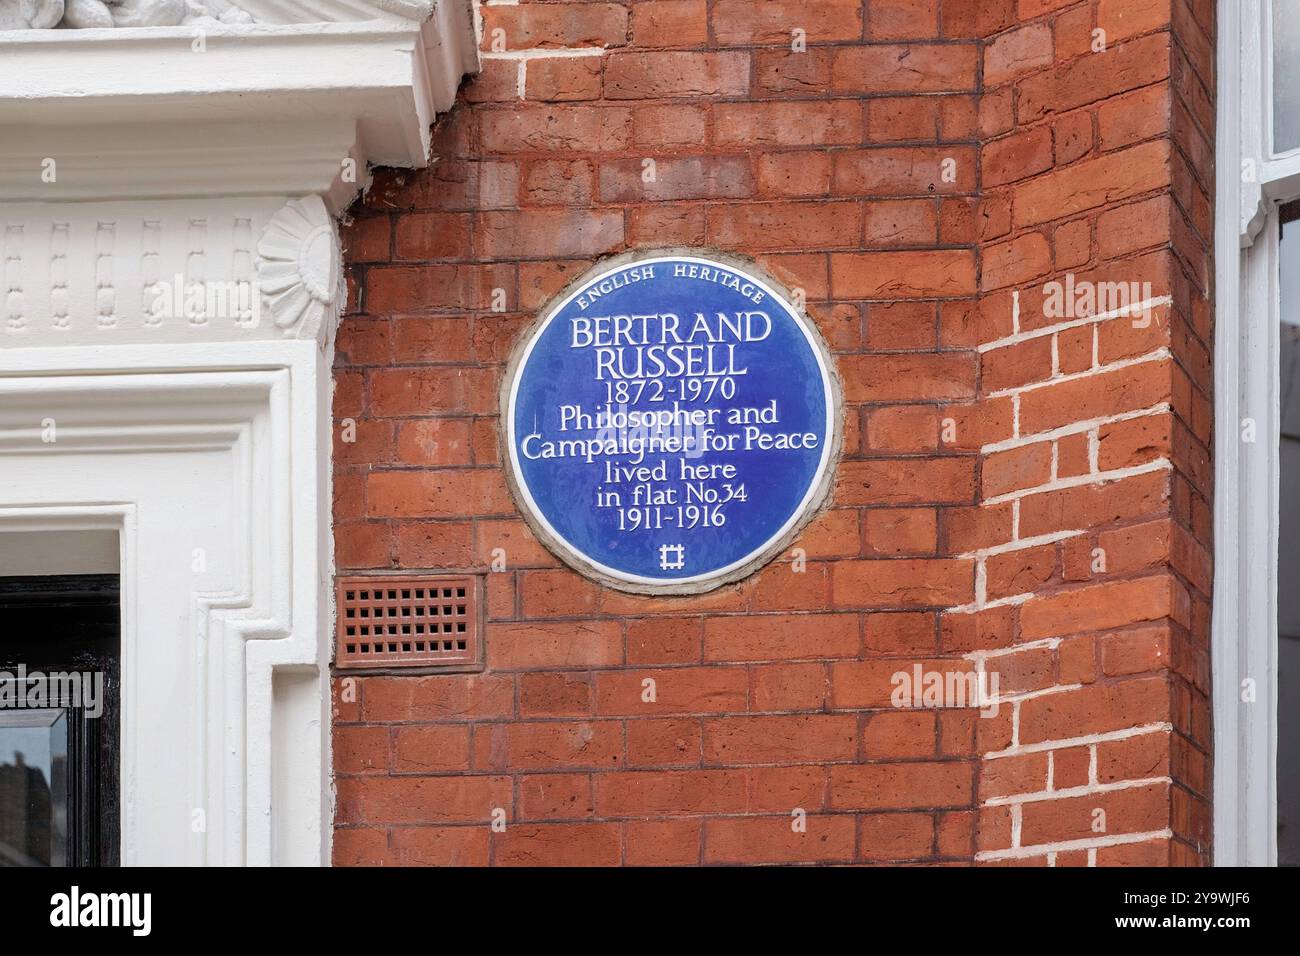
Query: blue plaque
{"type": "Point", "coordinates": [671, 423]}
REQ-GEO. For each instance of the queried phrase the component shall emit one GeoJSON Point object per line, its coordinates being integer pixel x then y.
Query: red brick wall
{"type": "Point", "coordinates": [1018, 492]}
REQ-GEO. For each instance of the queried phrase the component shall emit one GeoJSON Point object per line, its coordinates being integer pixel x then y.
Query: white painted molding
{"type": "Point", "coordinates": [178, 449]}
{"type": "Point", "coordinates": [298, 265]}
{"type": "Point", "coordinates": [1244, 628]}
{"type": "Point", "coordinates": [182, 271]}
{"type": "Point", "coordinates": [108, 14]}
{"type": "Point", "coordinates": [1251, 93]}
{"type": "Point", "coordinates": [199, 105]}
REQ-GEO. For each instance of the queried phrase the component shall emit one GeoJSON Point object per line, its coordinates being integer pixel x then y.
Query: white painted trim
{"type": "Point", "coordinates": [262, 425]}
{"type": "Point", "coordinates": [173, 111]}
{"type": "Point", "coordinates": [1244, 630]}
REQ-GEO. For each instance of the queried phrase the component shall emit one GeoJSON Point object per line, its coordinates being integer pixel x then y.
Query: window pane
{"type": "Point", "coordinates": [1286, 75]}
{"type": "Point", "coordinates": [33, 788]}
{"type": "Point", "coordinates": [1288, 558]}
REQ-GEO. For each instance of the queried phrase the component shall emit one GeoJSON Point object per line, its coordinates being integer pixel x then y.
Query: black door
{"type": "Point", "coordinates": [59, 706]}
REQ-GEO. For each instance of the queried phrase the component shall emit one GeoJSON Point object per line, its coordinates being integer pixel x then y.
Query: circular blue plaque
{"type": "Point", "coordinates": [670, 423]}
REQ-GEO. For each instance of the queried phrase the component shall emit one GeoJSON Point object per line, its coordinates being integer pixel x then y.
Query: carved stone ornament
{"type": "Point", "coordinates": [102, 14]}
{"type": "Point", "coordinates": [297, 266]}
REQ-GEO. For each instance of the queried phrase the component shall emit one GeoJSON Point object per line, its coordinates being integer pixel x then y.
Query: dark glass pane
{"type": "Point", "coordinates": [1288, 558]}
{"type": "Point", "coordinates": [33, 788]}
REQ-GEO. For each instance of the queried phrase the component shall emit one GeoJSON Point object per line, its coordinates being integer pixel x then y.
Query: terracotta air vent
{"type": "Point", "coordinates": [409, 621]}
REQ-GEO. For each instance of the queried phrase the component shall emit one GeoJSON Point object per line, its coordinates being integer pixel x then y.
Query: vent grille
{"type": "Point", "coordinates": [415, 621]}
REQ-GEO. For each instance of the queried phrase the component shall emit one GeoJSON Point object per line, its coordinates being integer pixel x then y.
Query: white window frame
{"type": "Point", "coordinates": [1251, 184]}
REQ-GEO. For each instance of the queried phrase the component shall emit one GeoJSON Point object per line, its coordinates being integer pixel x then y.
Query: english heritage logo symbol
{"type": "Point", "coordinates": [671, 422]}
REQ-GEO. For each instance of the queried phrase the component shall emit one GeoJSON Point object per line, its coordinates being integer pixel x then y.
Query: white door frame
{"type": "Point", "coordinates": [213, 472]}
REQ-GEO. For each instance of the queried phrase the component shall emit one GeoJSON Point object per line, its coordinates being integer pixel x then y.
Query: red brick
{"type": "Point", "coordinates": [663, 842]}
{"type": "Point", "coordinates": [1094, 709]}
{"type": "Point", "coordinates": [1010, 158]}
{"type": "Point", "coordinates": [548, 232]}
{"type": "Point", "coordinates": [636, 76]}
{"type": "Point", "coordinates": [564, 644]}
{"type": "Point", "coordinates": [910, 377]}
{"type": "Point", "coordinates": [895, 481]}
{"type": "Point", "coordinates": [1026, 466]}
{"type": "Point", "coordinates": [444, 493]}
{"type": "Point", "coordinates": [780, 637]}
{"type": "Point", "coordinates": [562, 79]}
{"type": "Point", "coordinates": [1006, 776]}
{"type": "Point", "coordinates": [778, 225]}
{"type": "Point", "coordinates": [914, 171]}
{"type": "Point", "coordinates": [888, 275]}
{"type": "Point", "coordinates": [677, 690]}
{"type": "Point", "coordinates": [432, 235]}
{"type": "Point", "coordinates": [559, 182]}
{"type": "Point", "coordinates": [555, 796]}
{"type": "Point", "coordinates": [901, 785]}
{"type": "Point", "coordinates": [555, 694]}
{"type": "Point", "coordinates": [1094, 396]}
{"type": "Point", "coordinates": [903, 19]}
{"type": "Point", "coordinates": [790, 71]}
{"type": "Point", "coordinates": [443, 697]}
{"type": "Point", "coordinates": [742, 23]}
{"type": "Point", "coordinates": [434, 441]}
{"type": "Point", "coordinates": [549, 745]}
{"type": "Point", "coordinates": [875, 683]}
{"type": "Point", "coordinates": [670, 23]}
{"type": "Point", "coordinates": [899, 735]}
{"type": "Point", "coordinates": [785, 739]}
{"type": "Point", "coordinates": [360, 750]}
{"type": "Point", "coordinates": [1137, 810]}
{"type": "Point", "coordinates": [1092, 183]}
{"type": "Point", "coordinates": [892, 119]}
{"type": "Point", "coordinates": [1018, 52]}
{"type": "Point", "coordinates": [1100, 606]}
{"type": "Point", "coordinates": [794, 174]}
{"type": "Point", "coordinates": [1019, 572]}
{"type": "Point", "coordinates": [441, 846]}
{"type": "Point", "coordinates": [558, 844]}
{"type": "Point", "coordinates": [905, 582]}
{"type": "Point", "coordinates": [1120, 68]}
{"type": "Point", "coordinates": [910, 68]}
{"type": "Point", "coordinates": [902, 531]}
{"type": "Point", "coordinates": [673, 742]}
{"type": "Point", "coordinates": [900, 632]}
{"type": "Point", "coordinates": [789, 687]}
{"type": "Point", "coordinates": [546, 129]}
{"type": "Point", "coordinates": [823, 166]}
{"type": "Point", "coordinates": [554, 25]}
{"type": "Point", "coordinates": [1121, 20]}
{"type": "Point", "coordinates": [775, 840]}
{"type": "Point", "coordinates": [697, 177]}
{"type": "Point", "coordinates": [676, 792]}
{"type": "Point", "coordinates": [461, 799]}
{"type": "Point", "coordinates": [433, 749]}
